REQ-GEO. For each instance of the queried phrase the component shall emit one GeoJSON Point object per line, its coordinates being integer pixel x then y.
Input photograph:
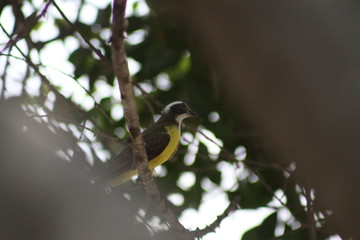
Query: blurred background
{"type": "Point", "coordinates": [276, 86]}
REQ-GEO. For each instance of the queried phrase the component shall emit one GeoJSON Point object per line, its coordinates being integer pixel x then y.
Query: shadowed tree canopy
{"type": "Point", "coordinates": [275, 86]}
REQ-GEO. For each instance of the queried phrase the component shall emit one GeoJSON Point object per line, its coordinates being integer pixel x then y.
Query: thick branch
{"type": "Point", "coordinates": [132, 119]}
{"type": "Point", "coordinates": [127, 95]}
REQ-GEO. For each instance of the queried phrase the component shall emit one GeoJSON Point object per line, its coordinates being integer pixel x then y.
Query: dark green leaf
{"type": "Point", "coordinates": [264, 231]}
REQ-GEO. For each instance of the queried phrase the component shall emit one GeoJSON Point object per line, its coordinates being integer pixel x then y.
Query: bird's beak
{"type": "Point", "coordinates": [192, 113]}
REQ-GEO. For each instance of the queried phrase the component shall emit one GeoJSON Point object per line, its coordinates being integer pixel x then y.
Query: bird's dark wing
{"type": "Point", "coordinates": [155, 140]}
{"type": "Point", "coordinates": [155, 143]}
{"type": "Point", "coordinates": [121, 163]}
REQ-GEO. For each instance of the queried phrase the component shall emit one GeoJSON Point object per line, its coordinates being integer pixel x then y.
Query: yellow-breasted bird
{"type": "Point", "coordinates": [161, 142]}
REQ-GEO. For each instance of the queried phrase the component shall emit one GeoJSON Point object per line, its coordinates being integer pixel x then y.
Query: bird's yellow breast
{"type": "Point", "coordinates": [165, 155]}
{"type": "Point", "coordinates": [171, 148]}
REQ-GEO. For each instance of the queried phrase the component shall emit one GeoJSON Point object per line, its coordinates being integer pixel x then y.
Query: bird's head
{"type": "Point", "coordinates": [178, 110]}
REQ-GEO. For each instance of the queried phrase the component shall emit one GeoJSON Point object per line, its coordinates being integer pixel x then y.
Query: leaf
{"type": "Point", "coordinates": [103, 16]}
{"type": "Point", "coordinates": [297, 234]}
{"type": "Point", "coordinates": [254, 195]}
{"type": "Point", "coordinates": [264, 231]}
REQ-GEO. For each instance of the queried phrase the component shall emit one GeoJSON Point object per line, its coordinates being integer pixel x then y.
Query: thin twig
{"type": "Point", "coordinates": [149, 107]}
{"type": "Point", "coordinates": [4, 75]}
{"type": "Point", "coordinates": [97, 105]}
{"type": "Point", "coordinates": [92, 47]}
{"type": "Point", "coordinates": [116, 139]}
{"type": "Point", "coordinates": [233, 158]}
{"type": "Point", "coordinates": [104, 135]}
{"type": "Point", "coordinates": [82, 128]}
{"type": "Point", "coordinates": [48, 83]}
{"type": "Point", "coordinates": [310, 214]}
{"type": "Point", "coordinates": [146, 94]}
{"type": "Point", "coordinates": [24, 25]}
{"type": "Point", "coordinates": [267, 187]}
{"type": "Point", "coordinates": [211, 228]}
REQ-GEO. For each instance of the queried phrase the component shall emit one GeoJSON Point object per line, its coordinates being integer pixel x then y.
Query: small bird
{"type": "Point", "coordinates": [161, 142]}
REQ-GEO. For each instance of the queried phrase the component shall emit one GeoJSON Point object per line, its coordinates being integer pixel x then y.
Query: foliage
{"type": "Point", "coordinates": [170, 68]}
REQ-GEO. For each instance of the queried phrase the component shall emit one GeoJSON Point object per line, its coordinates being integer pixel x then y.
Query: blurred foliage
{"type": "Point", "coordinates": [170, 69]}
{"type": "Point", "coordinates": [264, 231]}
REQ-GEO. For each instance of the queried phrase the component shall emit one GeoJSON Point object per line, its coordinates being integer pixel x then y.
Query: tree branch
{"type": "Point", "coordinates": [23, 26]}
{"type": "Point", "coordinates": [47, 82]}
{"type": "Point", "coordinates": [211, 228]}
{"type": "Point", "coordinates": [132, 119]}
{"type": "Point", "coordinates": [75, 28]}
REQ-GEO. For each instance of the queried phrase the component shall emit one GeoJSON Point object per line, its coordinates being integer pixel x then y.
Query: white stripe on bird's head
{"type": "Point", "coordinates": [167, 108]}
{"type": "Point", "coordinates": [178, 110]}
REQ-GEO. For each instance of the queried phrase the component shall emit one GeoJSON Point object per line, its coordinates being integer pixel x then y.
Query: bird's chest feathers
{"type": "Point", "coordinates": [171, 148]}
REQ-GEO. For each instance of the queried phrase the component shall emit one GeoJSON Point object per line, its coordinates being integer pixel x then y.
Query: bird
{"type": "Point", "coordinates": [161, 143]}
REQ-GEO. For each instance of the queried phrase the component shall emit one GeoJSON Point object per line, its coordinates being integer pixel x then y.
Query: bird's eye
{"type": "Point", "coordinates": [183, 107]}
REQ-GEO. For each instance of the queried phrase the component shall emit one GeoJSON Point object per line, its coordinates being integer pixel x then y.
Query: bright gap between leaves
{"type": "Point", "coordinates": [233, 227]}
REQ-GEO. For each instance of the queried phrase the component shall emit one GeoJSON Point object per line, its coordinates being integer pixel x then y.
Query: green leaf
{"type": "Point", "coordinates": [254, 195]}
{"type": "Point", "coordinates": [264, 231]}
